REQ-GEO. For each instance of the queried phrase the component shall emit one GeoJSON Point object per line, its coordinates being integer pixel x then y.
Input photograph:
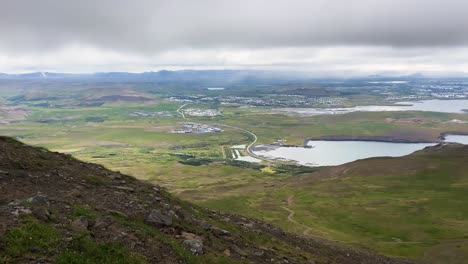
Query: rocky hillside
{"type": "Point", "coordinates": [56, 209]}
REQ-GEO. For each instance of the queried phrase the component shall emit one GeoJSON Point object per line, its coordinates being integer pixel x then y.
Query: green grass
{"type": "Point", "coordinates": [84, 211]}
{"type": "Point", "coordinates": [35, 239]}
{"type": "Point", "coordinates": [86, 251]}
{"type": "Point", "coordinates": [32, 238]}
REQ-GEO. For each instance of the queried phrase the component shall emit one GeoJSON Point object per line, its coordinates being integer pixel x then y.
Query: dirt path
{"type": "Point", "coordinates": [291, 219]}
{"type": "Point", "coordinates": [307, 229]}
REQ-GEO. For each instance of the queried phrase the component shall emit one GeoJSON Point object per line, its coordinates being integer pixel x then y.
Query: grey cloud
{"type": "Point", "coordinates": [141, 26]}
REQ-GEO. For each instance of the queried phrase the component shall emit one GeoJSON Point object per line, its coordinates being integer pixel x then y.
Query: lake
{"type": "Point", "coordinates": [444, 106]}
{"type": "Point", "coordinates": [330, 153]}
{"type": "Point", "coordinates": [462, 139]}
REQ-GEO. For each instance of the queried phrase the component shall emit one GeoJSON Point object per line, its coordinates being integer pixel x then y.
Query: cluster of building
{"type": "Point", "coordinates": [154, 114]}
{"type": "Point", "coordinates": [267, 100]}
{"type": "Point", "coordinates": [339, 94]}
{"type": "Point", "coordinates": [284, 100]}
{"type": "Point", "coordinates": [431, 89]}
{"type": "Point", "coordinates": [189, 127]}
{"type": "Point", "coordinates": [202, 112]}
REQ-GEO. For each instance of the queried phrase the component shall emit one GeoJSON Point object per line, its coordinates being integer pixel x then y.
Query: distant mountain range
{"type": "Point", "coordinates": [216, 77]}
{"type": "Point", "coordinates": [159, 75]}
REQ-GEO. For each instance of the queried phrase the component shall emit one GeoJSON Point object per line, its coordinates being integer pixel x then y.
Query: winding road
{"type": "Point", "coordinates": [180, 112]}
{"type": "Point", "coordinates": [248, 148]}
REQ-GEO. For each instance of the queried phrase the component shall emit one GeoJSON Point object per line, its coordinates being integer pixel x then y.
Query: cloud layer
{"type": "Point", "coordinates": [141, 34]}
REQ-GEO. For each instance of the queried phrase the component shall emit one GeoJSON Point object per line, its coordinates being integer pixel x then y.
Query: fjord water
{"type": "Point", "coordinates": [436, 105]}
{"type": "Point", "coordinates": [331, 153]}
{"type": "Point", "coordinates": [443, 106]}
{"type": "Point", "coordinates": [462, 139]}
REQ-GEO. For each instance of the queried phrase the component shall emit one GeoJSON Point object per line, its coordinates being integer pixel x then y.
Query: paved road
{"type": "Point", "coordinates": [180, 112]}
{"type": "Point", "coordinates": [249, 150]}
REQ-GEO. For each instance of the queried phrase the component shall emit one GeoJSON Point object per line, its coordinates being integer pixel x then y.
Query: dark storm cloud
{"type": "Point", "coordinates": [155, 26]}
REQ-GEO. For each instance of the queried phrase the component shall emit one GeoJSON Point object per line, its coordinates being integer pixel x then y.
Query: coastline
{"type": "Point", "coordinates": [443, 135]}
{"type": "Point", "coordinates": [373, 139]}
{"type": "Point", "coordinates": [440, 138]}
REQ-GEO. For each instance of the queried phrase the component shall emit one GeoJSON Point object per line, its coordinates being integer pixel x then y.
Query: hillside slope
{"type": "Point", "coordinates": [56, 209]}
{"type": "Point", "coordinates": [412, 206]}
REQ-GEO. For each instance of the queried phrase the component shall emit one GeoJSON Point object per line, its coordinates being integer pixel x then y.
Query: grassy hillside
{"type": "Point", "coordinates": [413, 206]}
{"type": "Point", "coordinates": [56, 209]}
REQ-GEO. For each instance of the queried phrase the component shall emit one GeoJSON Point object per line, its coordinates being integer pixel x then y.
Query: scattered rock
{"type": "Point", "coordinates": [102, 223]}
{"type": "Point", "coordinates": [80, 224]}
{"type": "Point", "coordinates": [189, 236]}
{"type": "Point", "coordinates": [183, 214]}
{"type": "Point", "coordinates": [39, 199]}
{"type": "Point", "coordinates": [238, 250]}
{"type": "Point", "coordinates": [156, 189]}
{"type": "Point", "coordinates": [118, 213]}
{"type": "Point", "coordinates": [248, 225]}
{"type": "Point", "coordinates": [115, 176]}
{"type": "Point", "coordinates": [14, 203]}
{"type": "Point", "coordinates": [219, 232]}
{"type": "Point", "coordinates": [76, 193]}
{"type": "Point", "coordinates": [276, 231]}
{"type": "Point", "coordinates": [205, 225]}
{"type": "Point", "coordinates": [227, 252]}
{"type": "Point", "coordinates": [41, 213]}
{"type": "Point", "coordinates": [124, 188]}
{"type": "Point", "coordinates": [22, 211]}
{"type": "Point", "coordinates": [156, 217]}
{"type": "Point", "coordinates": [194, 245]}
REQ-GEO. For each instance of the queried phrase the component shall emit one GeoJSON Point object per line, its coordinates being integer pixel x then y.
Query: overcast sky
{"type": "Point", "coordinates": [362, 36]}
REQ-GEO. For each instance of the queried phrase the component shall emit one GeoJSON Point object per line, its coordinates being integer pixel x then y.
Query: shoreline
{"type": "Point", "coordinates": [267, 147]}
{"type": "Point", "coordinates": [440, 138]}
{"type": "Point", "coordinates": [443, 135]}
{"type": "Point", "coordinates": [372, 139]}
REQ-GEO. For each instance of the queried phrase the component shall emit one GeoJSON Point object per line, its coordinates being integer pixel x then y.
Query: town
{"type": "Point", "coordinates": [196, 128]}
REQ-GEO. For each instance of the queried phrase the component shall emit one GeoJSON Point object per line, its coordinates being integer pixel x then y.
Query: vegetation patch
{"type": "Point", "coordinates": [83, 250]}
{"type": "Point", "coordinates": [31, 238]}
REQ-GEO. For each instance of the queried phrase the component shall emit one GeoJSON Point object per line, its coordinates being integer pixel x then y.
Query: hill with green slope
{"type": "Point", "coordinates": [56, 209]}
{"type": "Point", "coordinates": [412, 206]}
